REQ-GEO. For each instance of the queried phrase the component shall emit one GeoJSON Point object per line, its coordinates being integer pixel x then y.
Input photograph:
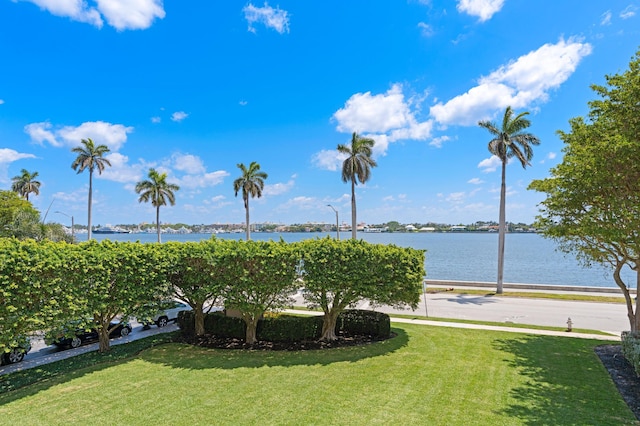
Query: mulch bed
{"type": "Point", "coordinates": [208, 341]}
{"type": "Point", "coordinates": [622, 374]}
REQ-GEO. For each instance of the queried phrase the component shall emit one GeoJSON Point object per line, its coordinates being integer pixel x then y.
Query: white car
{"type": "Point", "coordinates": [170, 314]}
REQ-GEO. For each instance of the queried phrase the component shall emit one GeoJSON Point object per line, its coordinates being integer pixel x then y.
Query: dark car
{"type": "Point", "coordinates": [17, 352]}
{"type": "Point", "coordinates": [83, 335]}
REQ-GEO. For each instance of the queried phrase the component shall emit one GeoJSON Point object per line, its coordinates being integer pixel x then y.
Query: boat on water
{"type": "Point", "coordinates": [108, 229]}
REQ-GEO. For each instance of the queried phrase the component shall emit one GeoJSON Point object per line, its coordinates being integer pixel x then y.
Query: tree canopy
{"type": "Point", "coordinates": [357, 167]}
{"type": "Point", "coordinates": [25, 183]}
{"type": "Point", "coordinates": [592, 205]}
{"type": "Point", "coordinates": [510, 140]}
{"type": "Point", "coordinates": [158, 191]}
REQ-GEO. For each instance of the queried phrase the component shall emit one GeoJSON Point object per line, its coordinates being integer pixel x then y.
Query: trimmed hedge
{"type": "Point", "coordinates": [290, 328]}
{"type": "Point", "coordinates": [631, 349]}
{"type": "Point", "coordinates": [361, 322]}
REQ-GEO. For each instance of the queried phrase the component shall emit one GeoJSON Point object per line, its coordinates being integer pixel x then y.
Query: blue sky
{"type": "Point", "coordinates": [194, 87]}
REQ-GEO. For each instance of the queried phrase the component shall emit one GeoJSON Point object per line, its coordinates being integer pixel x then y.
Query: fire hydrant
{"type": "Point", "coordinates": [569, 325]}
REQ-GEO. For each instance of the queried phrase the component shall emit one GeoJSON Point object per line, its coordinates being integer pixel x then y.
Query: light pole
{"type": "Point", "coordinates": [337, 225]}
{"type": "Point", "coordinates": [73, 237]}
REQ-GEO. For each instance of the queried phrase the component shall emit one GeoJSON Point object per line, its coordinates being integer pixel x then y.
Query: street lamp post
{"type": "Point", "coordinates": [73, 237]}
{"type": "Point", "coordinates": [337, 223]}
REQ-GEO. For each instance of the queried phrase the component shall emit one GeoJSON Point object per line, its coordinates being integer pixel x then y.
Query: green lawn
{"type": "Point", "coordinates": [425, 375]}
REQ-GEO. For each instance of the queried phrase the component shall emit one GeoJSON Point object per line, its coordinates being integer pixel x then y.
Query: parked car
{"type": "Point", "coordinates": [168, 314]}
{"type": "Point", "coordinates": [82, 335]}
{"type": "Point", "coordinates": [17, 352]}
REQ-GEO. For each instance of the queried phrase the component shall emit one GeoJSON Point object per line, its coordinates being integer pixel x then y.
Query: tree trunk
{"type": "Point", "coordinates": [246, 207]}
{"type": "Point", "coordinates": [89, 207]}
{"type": "Point", "coordinates": [103, 339]}
{"type": "Point", "coordinates": [501, 229]}
{"type": "Point", "coordinates": [158, 222]}
{"type": "Point", "coordinates": [199, 320]}
{"type": "Point", "coordinates": [354, 225]}
{"type": "Point", "coordinates": [634, 318]}
{"type": "Point", "coordinates": [329, 325]}
{"type": "Point", "coordinates": [250, 336]}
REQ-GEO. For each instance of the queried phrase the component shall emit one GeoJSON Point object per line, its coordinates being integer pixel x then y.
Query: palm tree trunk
{"type": "Point", "coordinates": [158, 222]}
{"type": "Point", "coordinates": [89, 207]}
{"type": "Point", "coordinates": [246, 206]}
{"type": "Point", "coordinates": [353, 209]}
{"type": "Point", "coordinates": [501, 228]}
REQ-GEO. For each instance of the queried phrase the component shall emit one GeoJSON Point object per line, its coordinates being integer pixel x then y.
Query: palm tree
{"type": "Point", "coordinates": [356, 167]}
{"type": "Point", "coordinates": [251, 182]}
{"type": "Point", "coordinates": [25, 183]}
{"type": "Point", "coordinates": [90, 157]}
{"type": "Point", "coordinates": [158, 191]}
{"type": "Point", "coordinates": [508, 142]}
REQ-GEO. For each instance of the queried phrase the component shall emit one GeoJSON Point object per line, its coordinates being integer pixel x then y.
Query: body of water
{"type": "Point", "coordinates": [529, 258]}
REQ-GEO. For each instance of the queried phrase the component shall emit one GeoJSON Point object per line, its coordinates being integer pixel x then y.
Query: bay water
{"type": "Point", "coordinates": [463, 256]}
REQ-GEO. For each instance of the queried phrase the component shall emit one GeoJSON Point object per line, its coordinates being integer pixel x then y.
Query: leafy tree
{"type": "Point", "coordinates": [193, 273]}
{"type": "Point", "coordinates": [592, 205]}
{"type": "Point", "coordinates": [157, 191]}
{"type": "Point", "coordinates": [338, 274]}
{"type": "Point", "coordinates": [258, 276]}
{"type": "Point", "coordinates": [91, 157]}
{"type": "Point", "coordinates": [251, 183]}
{"type": "Point", "coordinates": [19, 219]}
{"type": "Point", "coordinates": [510, 140]}
{"type": "Point", "coordinates": [33, 291]}
{"type": "Point", "coordinates": [25, 183]}
{"type": "Point", "coordinates": [356, 167]}
{"type": "Point", "coordinates": [114, 280]}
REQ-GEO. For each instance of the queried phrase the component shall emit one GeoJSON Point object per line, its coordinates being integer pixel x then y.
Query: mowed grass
{"type": "Point", "coordinates": [425, 375]}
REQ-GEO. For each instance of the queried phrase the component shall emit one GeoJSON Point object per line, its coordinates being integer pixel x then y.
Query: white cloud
{"type": "Point", "coordinates": [425, 29]}
{"type": "Point", "coordinates": [437, 142]}
{"type": "Point", "coordinates": [156, 120]}
{"type": "Point", "coordinates": [121, 14]}
{"type": "Point", "coordinates": [40, 132]}
{"type": "Point", "coordinates": [518, 84]}
{"type": "Point", "coordinates": [188, 163]}
{"type": "Point", "coordinates": [628, 12]}
{"type": "Point", "coordinates": [77, 10]}
{"type": "Point", "coordinates": [1, 101]}
{"type": "Point", "coordinates": [551, 155]}
{"type": "Point", "coordinates": [384, 117]}
{"type": "Point", "coordinates": [278, 188]}
{"type": "Point", "coordinates": [120, 170]}
{"type": "Point", "coordinates": [243, 103]}
{"type": "Point", "coordinates": [179, 116]}
{"type": "Point", "coordinates": [456, 197]}
{"type": "Point", "coordinates": [328, 160]}
{"type": "Point", "coordinates": [490, 164]}
{"type": "Point", "coordinates": [8, 156]}
{"type": "Point", "coordinates": [131, 14]}
{"type": "Point", "coordinates": [378, 113]}
{"type": "Point", "coordinates": [277, 18]}
{"type": "Point", "coordinates": [112, 135]}
{"type": "Point", "coordinates": [606, 18]}
{"type": "Point", "coordinates": [202, 180]}
{"type": "Point", "coordinates": [483, 9]}
{"type": "Point", "coordinates": [301, 203]}
{"type": "Point", "coordinates": [475, 181]}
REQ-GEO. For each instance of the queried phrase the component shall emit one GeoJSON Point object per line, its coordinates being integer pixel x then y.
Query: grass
{"type": "Point", "coordinates": [538, 295]}
{"type": "Point", "coordinates": [425, 375]}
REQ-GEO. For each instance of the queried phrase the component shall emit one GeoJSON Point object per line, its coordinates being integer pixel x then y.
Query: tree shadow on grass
{"type": "Point", "coordinates": [565, 383]}
{"type": "Point", "coordinates": [161, 350]}
{"type": "Point", "coordinates": [193, 357]}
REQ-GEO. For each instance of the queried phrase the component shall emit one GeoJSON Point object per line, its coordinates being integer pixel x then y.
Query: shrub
{"type": "Point", "coordinates": [289, 328]}
{"type": "Point", "coordinates": [631, 349]}
{"type": "Point", "coordinates": [186, 320]}
{"type": "Point", "coordinates": [357, 321]}
{"type": "Point", "coordinates": [218, 324]}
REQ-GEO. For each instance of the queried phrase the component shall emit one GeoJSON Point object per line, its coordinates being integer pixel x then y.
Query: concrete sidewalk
{"type": "Point", "coordinates": [612, 338]}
